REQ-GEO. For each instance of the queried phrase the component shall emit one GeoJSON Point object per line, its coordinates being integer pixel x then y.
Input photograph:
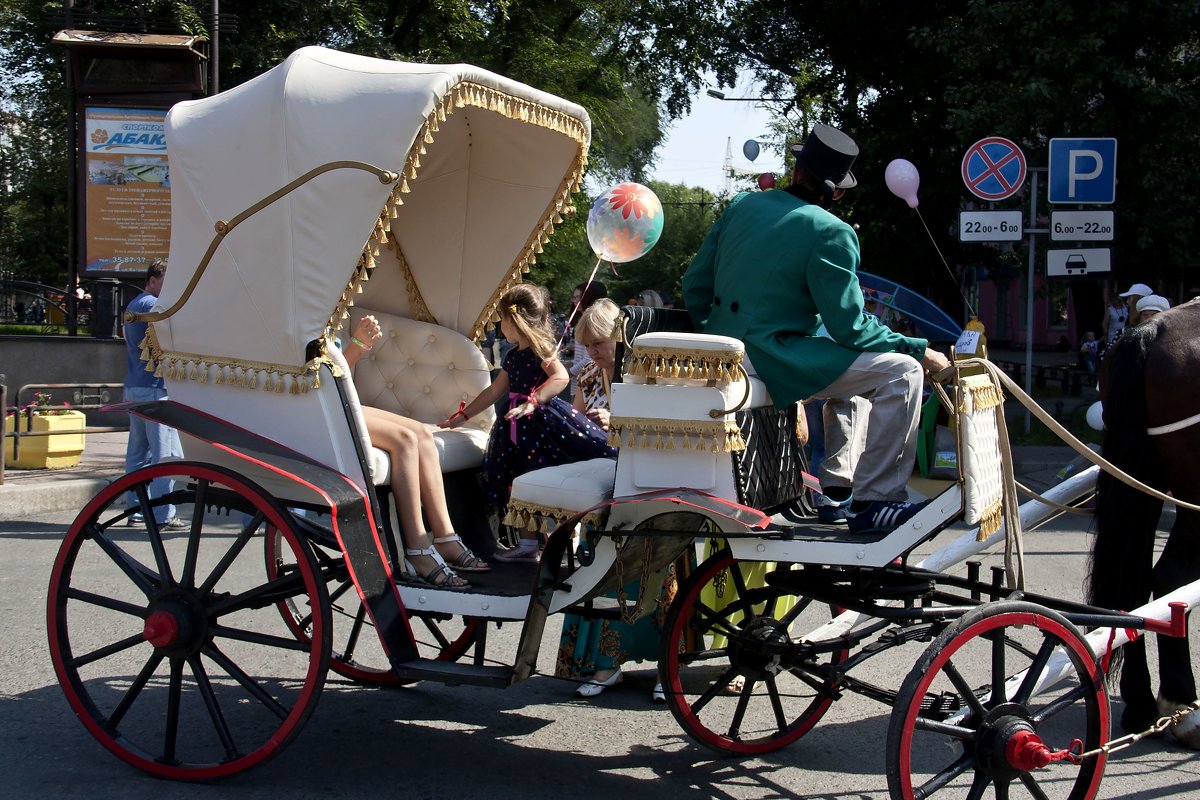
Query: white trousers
{"type": "Point", "coordinates": [871, 416]}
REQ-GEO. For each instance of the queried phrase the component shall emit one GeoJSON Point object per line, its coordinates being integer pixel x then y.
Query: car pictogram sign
{"type": "Point", "coordinates": [994, 168]}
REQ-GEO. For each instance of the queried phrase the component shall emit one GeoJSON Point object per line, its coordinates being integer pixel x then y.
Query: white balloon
{"type": "Point", "coordinates": [1095, 416]}
{"type": "Point", "coordinates": [903, 180]}
{"type": "Point", "coordinates": [750, 149]}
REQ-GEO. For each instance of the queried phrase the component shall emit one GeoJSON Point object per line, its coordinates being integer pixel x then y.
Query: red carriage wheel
{"type": "Point", "coordinates": [720, 632]}
{"type": "Point", "coordinates": [164, 640]}
{"type": "Point", "coordinates": [960, 726]}
{"type": "Point", "coordinates": [357, 652]}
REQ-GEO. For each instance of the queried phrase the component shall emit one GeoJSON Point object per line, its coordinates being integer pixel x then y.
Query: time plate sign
{"type": "Point", "coordinates": [1081, 226]}
{"type": "Point", "coordinates": [989, 226]}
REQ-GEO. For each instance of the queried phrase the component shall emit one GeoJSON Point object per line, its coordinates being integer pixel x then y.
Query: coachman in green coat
{"type": "Point", "coordinates": [779, 272]}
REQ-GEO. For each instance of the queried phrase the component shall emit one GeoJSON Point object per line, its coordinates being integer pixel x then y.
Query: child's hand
{"type": "Point", "coordinates": [368, 330]}
{"type": "Point", "coordinates": [523, 410]}
{"type": "Point", "coordinates": [452, 422]}
{"type": "Point", "coordinates": [600, 416]}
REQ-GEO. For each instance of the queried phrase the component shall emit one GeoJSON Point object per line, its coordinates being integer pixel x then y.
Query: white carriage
{"type": "Point", "coordinates": [337, 185]}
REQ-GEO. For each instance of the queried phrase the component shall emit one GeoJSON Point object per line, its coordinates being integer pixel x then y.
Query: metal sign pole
{"type": "Point", "coordinates": [1033, 198]}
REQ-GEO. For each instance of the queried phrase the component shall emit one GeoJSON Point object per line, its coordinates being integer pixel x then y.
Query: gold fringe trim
{"type": "Point", "coordinates": [462, 95]}
{"type": "Point", "coordinates": [990, 520]}
{"type": "Point", "coordinates": [982, 391]}
{"type": "Point", "coordinates": [527, 515]}
{"type": "Point", "coordinates": [715, 436]}
{"type": "Point", "coordinates": [231, 371]}
{"type": "Point", "coordinates": [672, 362]}
{"type": "Point", "coordinates": [416, 302]}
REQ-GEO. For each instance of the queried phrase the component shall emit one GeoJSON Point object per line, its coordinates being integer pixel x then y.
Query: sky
{"type": "Point", "coordinates": [694, 152]}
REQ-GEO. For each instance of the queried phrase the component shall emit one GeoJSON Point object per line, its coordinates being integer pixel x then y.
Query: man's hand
{"type": "Point", "coordinates": [934, 363]}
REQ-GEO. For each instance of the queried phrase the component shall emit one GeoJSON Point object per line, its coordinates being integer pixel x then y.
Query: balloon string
{"type": "Point", "coordinates": [953, 277]}
{"type": "Point", "coordinates": [575, 308]}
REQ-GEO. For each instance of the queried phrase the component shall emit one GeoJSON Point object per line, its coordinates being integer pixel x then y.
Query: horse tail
{"type": "Point", "coordinates": [1126, 519]}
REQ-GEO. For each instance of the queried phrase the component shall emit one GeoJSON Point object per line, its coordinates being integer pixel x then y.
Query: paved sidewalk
{"type": "Point", "coordinates": [29, 493]}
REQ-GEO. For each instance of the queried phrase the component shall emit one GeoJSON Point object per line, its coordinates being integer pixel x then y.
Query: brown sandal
{"type": "Point", "coordinates": [466, 561]}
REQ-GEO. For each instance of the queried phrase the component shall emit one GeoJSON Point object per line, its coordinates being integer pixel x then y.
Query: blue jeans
{"type": "Point", "coordinates": [149, 443]}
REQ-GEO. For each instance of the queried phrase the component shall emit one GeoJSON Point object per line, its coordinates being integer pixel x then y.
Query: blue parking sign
{"type": "Point", "coordinates": [1083, 171]}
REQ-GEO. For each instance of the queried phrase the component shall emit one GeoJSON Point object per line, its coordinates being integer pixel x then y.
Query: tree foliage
{"type": "Point", "coordinates": [923, 81]}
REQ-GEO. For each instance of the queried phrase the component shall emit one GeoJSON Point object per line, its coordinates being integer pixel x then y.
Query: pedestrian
{"type": "Point", "coordinates": [1151, 306]}
{"type": "Point", "coordinates": [1115, 317]}
{"type": "Point", "coordinates": [1089, 353]}
{"type": "Point", "coordinates": [773, 268]}
{"type": "Point", "coordinates": [149, 442]}
{"type": "Point", "coordinates": [1135, 293]}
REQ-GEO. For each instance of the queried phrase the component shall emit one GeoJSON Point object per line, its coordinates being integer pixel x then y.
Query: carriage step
{"type": "Point", "coordinates": [453, 673]}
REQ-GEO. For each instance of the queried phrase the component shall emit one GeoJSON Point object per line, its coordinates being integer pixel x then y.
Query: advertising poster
{"type": "Point", "coordinates": [128, 190]}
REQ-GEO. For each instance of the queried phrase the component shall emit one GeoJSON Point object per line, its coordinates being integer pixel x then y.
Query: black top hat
{"type": "Point", "coordinates": [828, 154]}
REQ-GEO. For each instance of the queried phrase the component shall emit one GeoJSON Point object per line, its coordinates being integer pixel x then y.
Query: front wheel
{"type": "Point", "coordinates": [165, 640]}
{"type": "Point", "coordinates": [972, 714]}
{"type": "Point", "coordinates": [736, 676]}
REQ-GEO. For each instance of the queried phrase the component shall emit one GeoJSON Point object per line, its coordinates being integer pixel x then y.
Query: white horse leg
{"type": "Point", "coordinates": [1187, 730]}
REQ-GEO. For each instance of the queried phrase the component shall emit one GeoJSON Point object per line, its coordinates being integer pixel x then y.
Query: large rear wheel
{"type": "Point", "coordinates": [164, 640]}
{"type": "Point", "coordinates": [736, 676]}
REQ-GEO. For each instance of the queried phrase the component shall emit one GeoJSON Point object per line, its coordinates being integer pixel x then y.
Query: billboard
{"type": "Point", "coordinates": [128, 197]}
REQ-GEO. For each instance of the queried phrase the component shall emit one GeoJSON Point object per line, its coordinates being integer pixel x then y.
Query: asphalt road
{"type": "Point", "coordinates": [533, 740]}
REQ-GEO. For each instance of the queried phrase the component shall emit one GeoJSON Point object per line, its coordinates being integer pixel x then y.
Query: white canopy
{"type": "Point", "coordinates": [485, 165]}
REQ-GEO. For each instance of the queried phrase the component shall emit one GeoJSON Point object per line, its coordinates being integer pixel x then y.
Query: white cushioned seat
{"type": "Point", "coordinates": [552, 494]}
{"type": "Point", "coordinates": [423, 371]}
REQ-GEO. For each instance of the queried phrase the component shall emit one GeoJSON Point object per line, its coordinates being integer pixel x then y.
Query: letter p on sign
{"type": "Point", "coordinates": [1083, 171]}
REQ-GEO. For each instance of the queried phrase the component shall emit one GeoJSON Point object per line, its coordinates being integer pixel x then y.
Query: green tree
{"type": "Point", "coordinates": [923, 81]}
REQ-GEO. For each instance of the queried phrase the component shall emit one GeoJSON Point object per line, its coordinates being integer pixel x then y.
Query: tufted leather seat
{"type": "Point", "coordinates": [423, 371]}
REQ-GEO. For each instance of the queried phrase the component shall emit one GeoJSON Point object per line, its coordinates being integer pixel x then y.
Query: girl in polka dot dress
{"type": "Point", "coordinates": [540, 429]}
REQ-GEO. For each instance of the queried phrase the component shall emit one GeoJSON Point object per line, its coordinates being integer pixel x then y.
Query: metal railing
{"type": "Point", "coordinates": [85, 396]}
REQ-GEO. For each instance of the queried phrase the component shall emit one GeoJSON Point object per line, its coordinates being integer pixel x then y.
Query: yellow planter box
{"type": "Point", "coordinates": [47, 452]}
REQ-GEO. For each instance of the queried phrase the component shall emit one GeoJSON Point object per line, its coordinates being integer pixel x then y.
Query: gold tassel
{"type": "Point", "coordinates": [158, 371]}
{"type": "Point", "coordinates": [293, 388]}
{"type": "Point", "coordinates": [316, 380]}
{"type": "Point", "coordinates": [220, 374]}
{"type": "Point", "coordinates": [269, 383]}
{"type": "Point", "coordinates": [279, 384]}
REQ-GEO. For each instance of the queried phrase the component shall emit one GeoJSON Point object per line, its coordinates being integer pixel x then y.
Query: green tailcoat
{"type": "Point", "coordinates": [772, 270]}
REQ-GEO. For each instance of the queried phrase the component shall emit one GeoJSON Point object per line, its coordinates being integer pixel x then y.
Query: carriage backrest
{"type": "Point", "coordinates": [636, 320]}
{"type": "Point", "coordinates": [420, 370]}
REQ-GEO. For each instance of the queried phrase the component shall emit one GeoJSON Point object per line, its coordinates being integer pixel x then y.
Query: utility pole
{"type": "Point", "coordinates": [728, 168]}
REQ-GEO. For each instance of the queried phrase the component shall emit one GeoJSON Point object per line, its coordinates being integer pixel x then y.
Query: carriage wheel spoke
{"type": "Point", "coordinates": [267, 639]}
{"type": "Point", "coordinates": [132, 693]}
{"type": "Point", "coordinates": [978, 786]}
{"type": "Point", "coordinates": [188, 578]}
{"type": "Point", "coordinates": [108, 650]}
{"type": "Point", "coordinates": [801, 605]}
{"type": "Point", "coordinates": [1066, 701]}
{"type": "Point", "coordinates": [248, 683]}
{"type": "Point", "coordinates": [967, 693]}
{"type": "Point", "coordinates": [174, 696]}
{"type": "Point", "coordinates": [716, 622]}
{"type": "Point", "coordinates": [214, 709]}
{"type": "Point", "coordinates": [273, 591]}
{"type": "Point", "coordinates": [739, 713]}
{"type": "Point", "coordinates": [138, 573]}
{"type": "Point", "coordinates": [1032, 785]}
{"type": "Point", "coordinates": [999, 674]}
{"type": "Point", "coordinates": [355, 629]}
{"type": "Point", "coordinates": [160, 552]}
{"type": "Point", "coordinates": [1025, 690]}
{"type": "Point", "coordinates": [948, 774]}
{"type": "Point", "coordinates": [231, 555]}
{"type": "Point", "coordinates": [776, 704]}
{"type": "Point", "coordinates": [942, 728]}
{"type": "Point", "coordinates": [111, 603]}
{"type": "Point", "coordinates": [717, 687]}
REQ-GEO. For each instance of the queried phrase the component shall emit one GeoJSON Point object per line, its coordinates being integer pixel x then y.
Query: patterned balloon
{"type": "Point", "coordinates": [624, 223]}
